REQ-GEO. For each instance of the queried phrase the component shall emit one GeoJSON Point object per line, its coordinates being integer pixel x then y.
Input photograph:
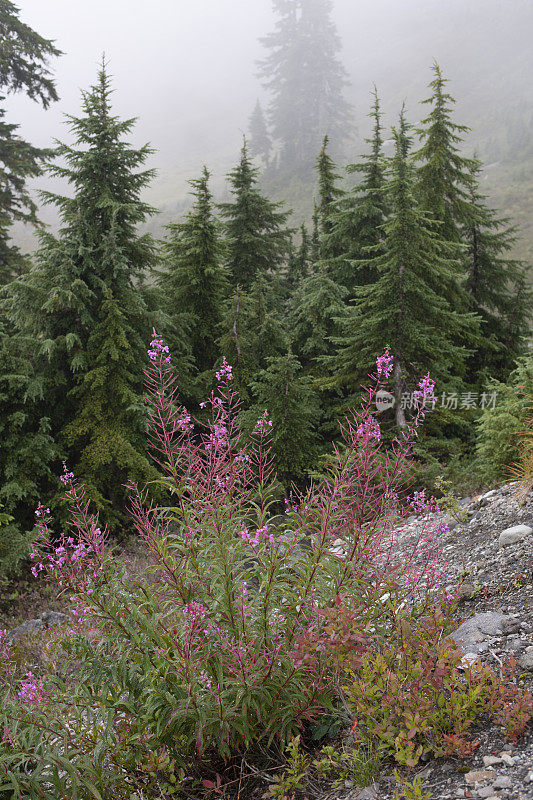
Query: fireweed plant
{"type": "Point", "coordinates": [207, 652]}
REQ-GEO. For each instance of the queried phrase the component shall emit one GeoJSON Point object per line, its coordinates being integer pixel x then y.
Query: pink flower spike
{"type": "Point", "coordinates": [385, 363]}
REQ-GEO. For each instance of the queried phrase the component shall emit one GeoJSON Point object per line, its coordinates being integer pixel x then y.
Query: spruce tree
{"type": "Point", "coordinates": [306, 80]}
{"type": "Point", "coordinates": [444, 174]}
{"type": "Point", "coordinates": [24, 58]}
{"type": "Point", "coordinates": [258, 240]}
{"type": "Point", "coordinates": [194, 285]}
{"type": "Point", "coordinates": [407, 307]}
{"type": "Point", "coordinates": [497, 289]}
{"type": "Point", "coordinates": [292, 405]}
{"type": "Point", "coordinates": [63, 300]}
{"type": "Point", "coordinates": [260, 141]}
{"type": "Point", "coordinates": [356, 221]}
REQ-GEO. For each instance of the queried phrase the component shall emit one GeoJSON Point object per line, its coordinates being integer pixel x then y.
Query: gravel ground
{"type": "Point", "coordinates": [497, 580]}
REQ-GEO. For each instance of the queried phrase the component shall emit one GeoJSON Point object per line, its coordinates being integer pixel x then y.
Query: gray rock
{"type": "Point", "coordinates": [30, 626]}
{"type": "Point", "coordinates": [503, 782]}
{"type": "Point", "coordinates": [514, 534]}
{"type": "Point", "coordinates": [368, 793]}
{"type": "Point", "coordinates": [44, 620]}
{"type": "Point", "coordinates": [483, 626]}
{"type": "Point", "coordinates": [526, 661]}
{"type": "Point", "coordinates": [450, 522]}
{"type": "Point", "coordinates": [50, 618]}
{"type": "Point", "coordinates": [486, 792]}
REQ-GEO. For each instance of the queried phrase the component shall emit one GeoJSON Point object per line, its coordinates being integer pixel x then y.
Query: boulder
{"type": "Point", "coordinates": [482, 626]}
{"type": "Point", "coordinates": [514, 534]}
{"type": "Point", "coordinates": [44, 620]}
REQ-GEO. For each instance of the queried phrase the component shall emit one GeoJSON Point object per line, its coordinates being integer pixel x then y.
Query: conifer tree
{"type": "Point", "coordinates": [260, 141]}
{"type": "Point", "coordinates": [315, 235]}
{"type": "Point", "coordinates": [253, 332]}
{"type": "Point", "coordinates": [24, 58]}
{"type": "Point", "coordinates": [27, 449]}
{"type": "Point", "coordinates": [329, 195]}
{"type": "Point", "coordinates": [444, 174]}
{"type": "Point", "coordinates": [306, 80]}
{"type": "Point", "coordinates": [194, 284]}
{"type": "Point", "coordinates": [107, 428]}
{"type": "Point", "coordinates": [407, 307]}
{"type": "Point", "coordinates": [292, 405]}
{"type": "Point", "coordinates": [63, 300]}
{"type": "Point", "coordinates": [497, 289]}
{"type": "Point", "coordinates": [258, 240]}
{"type": "Point", "coordinates": [300, 261]}
{"type": "Point", "coordinates": [318, 305]}
{"type": "Point", "coordinates": [356, 222]}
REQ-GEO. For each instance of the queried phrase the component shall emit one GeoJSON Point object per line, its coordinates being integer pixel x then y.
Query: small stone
{"type": "Point", "coordinates": [529, 778]}
{"type": "Point", "coordinates": [514, 534]}
{"type": "Point", "coordinates": [526, 660]}
{"type": "Point", "coordinates": [368, 793]}
{"type": "Point", "coordinates": [490, 761]}
{"type": "Point", "coordinates": [507, 759]}
{"type": "Point", "coordinates": [502, 782]}
{"type": "Point", "coordinates": [478, 776]}
{"type": "Point", "coordinates": [465, 591]}
{"type": "Point", "coordinates": [469, 659]}
{"type": "Point", "coordinates": [485, 792]}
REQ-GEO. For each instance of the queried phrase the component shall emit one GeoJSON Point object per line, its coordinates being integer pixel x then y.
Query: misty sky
{"type": "Point", "coordinates": [186, 68]}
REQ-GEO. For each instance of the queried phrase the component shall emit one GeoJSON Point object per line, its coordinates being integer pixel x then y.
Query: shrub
{"type": "Point", "coordinates": [207, 653]}
{"type": "Point", "coordinates": [499, 441]}
{"type": "Point", "coordinates": [415, 695]}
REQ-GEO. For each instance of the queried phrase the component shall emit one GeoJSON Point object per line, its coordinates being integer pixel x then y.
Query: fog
{"type": "Point", "coordinates": [187, 70]}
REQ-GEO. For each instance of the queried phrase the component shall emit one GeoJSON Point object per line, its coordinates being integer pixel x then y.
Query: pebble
{"type": "Point", "coordinates": [478, 776]}
{"type": "Point", "coordinates": [507, 759]}
{"type": "Point", "coordinates": [485, 792]}
{"type": "Point", "coordinates": [503, 782]}
{"type": "Point", "coordinates": [491, 761]}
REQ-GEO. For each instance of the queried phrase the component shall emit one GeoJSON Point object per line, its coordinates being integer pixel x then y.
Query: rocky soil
{"type": "Point", "coordinates": [491, 556]}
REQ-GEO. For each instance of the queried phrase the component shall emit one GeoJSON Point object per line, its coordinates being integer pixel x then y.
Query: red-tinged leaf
{"type": "Point", "coordinates": [209, 784]}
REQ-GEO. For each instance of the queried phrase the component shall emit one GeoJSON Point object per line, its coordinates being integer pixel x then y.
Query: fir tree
{"type": "Point", "coordinates": [292, 405]}
{"type": "Point", "coordinates": [28, 450]}
{"type": "Point", "coordinates": [260, 141]}
{"type": "Point", "coordinates": [108, 429]}
{"type": "Point", "coordinates": [23, 68]}
{"type": "Point", "coordinates": [407, 307]}
{"type": "Point", "coordinates": [317, 307]}
{"type": "Point", "coordinates": [328, 192]}
{"type": "Point", "coordinates": [496, 286]}
{"type": "Point", "coordinates": [257, 238]}
{"type": "Point", "coordinates": [315, 235]}
{"type": "Point", "coordinates": [444, 175]}
{"type": "Point", "coordinates": [61, 301]}
{"type": "Point", "coordinates": [356, 221]}
{"type": "Point", "coordinates": [306, 80]}
{"type": "Point", "coordinates": [254, 331]}
{"type": "Point", "coordinates": [300, 261]}
{"type": "Point", "coordinates": [193, 282]}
